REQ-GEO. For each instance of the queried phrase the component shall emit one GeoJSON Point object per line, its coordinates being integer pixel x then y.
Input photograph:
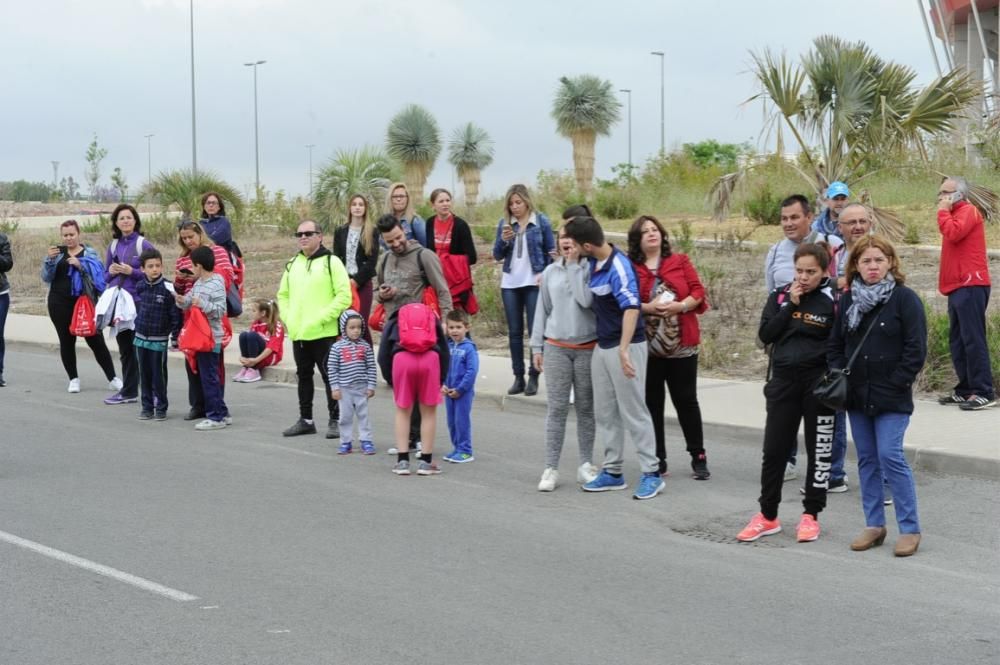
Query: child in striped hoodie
{"type": "Point", "coordinates": [351, 374]}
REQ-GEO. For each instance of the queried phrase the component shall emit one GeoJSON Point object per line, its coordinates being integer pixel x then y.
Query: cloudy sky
{"type": "Point", "coordinates": [337, 71]}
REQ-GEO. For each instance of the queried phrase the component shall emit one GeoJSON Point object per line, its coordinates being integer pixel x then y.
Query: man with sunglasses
{"type": "Point", "coordinates": [314, 290]}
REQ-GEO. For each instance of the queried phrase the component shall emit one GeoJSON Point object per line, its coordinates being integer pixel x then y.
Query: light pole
{"type": "Point", "coordinates": [149, 158]}
{"type": "Point", "coordinates": [663, 143]}
{"type": "Point", "coordinates": [194, 139]}
{"type": "Point", "coordinates": [310, 148]}
{"type": "Point", "coordinates": [55, 174]}
{"type": "Point", "coordinates": [256, 140]}
{"type": "Point", "coordinates": [628, 92]}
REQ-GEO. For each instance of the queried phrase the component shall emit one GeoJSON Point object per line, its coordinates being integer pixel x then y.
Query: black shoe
{"type": "Point", "coordinates": [332, 430]}
{"type": "Point", "coordinates": [145, 415]}
{"type": "Point", "coordinates": [195, 414]}
{"type": "Point", "coordinates": [300, 427]}
{"type": "Point", "coordinates": [699, 468]}
{"type": "Point", "coordinates": [951, 399]}
{"type": "Point", "coordinates": [532, 387]}
{"type": "Point", "coordinates": [977, 403]}
{"type": "Point", "coordinates": [160, 415]}
{"type": "Point", "coordinates": [518, 386]}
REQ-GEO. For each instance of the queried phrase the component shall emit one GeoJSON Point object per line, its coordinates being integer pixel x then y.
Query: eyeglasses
{"type": "Point", "coordinates": [399, 197]}
{"type": "Point", "coordinates": [306, 234]}
{"type": "Point", "coordinates": [211, 203]}
{"type": "Point", "coordinates": [855, 222]}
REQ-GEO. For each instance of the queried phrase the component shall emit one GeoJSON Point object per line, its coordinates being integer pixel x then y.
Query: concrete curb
{"type": "Point", "coordinates": [925, 459]}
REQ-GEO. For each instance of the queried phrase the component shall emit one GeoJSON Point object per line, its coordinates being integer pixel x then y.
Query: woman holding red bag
{"type": "Point", "coordinates": [62, 270]}
{"type": "Point", "coordinates": [450, 238]}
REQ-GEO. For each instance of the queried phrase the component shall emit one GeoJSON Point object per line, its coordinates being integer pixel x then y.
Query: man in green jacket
{"type": "Point", "coordinates": [314, 290]}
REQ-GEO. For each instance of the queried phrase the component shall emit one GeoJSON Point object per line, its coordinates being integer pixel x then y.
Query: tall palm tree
{"type": "Point", "coordinates": [584, 108]}
{"type": "Point", "coordinates": [366, 171]}
{"type": "Point", "coordinates": [414, 140]}
{"type": "Point", "coordinates": [185, 189]}
{"type": "Point", "coordinates": [470, 150]}
{"type": "Point", "coordinates": [851, 114]}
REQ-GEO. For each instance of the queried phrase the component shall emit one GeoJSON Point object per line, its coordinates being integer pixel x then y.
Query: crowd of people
{"type": "Point", "coordinates": [611, 330]}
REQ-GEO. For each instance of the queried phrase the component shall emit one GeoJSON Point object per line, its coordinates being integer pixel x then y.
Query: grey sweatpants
{"type": "Point", "coordinates": [354, 406]}
{"type": "Point", "coordinates": [566, 369]}
{"type": "Point", "coordinates": [620, 406]}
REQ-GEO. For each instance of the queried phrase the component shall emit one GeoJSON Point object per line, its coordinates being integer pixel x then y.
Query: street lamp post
{"type": "Point", "coordinates": [149, 158]}
{"type": "Point", "coordinates": [663, 143]}
{"type": "Point", "coordinates": [310, 148]}
{"type": "Point", "coordinates": [256, 140]}
{"type": "Point", "coordinates": [628, 92]}
{"type": "Point", "coordinates": [55, 174]}
{"type": "Point", "coordinates": [194, 139]}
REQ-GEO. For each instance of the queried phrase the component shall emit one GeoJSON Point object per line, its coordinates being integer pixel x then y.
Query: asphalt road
{"type": "Point", "coordinates": [278, 551]}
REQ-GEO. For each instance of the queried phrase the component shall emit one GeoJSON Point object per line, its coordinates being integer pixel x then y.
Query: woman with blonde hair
{"type": "Point", "coordinates": [400, 205]}
{"type": "Point", "coordinates": [524, 242]}
{"type": "Point", "coordinates": [356, 245]}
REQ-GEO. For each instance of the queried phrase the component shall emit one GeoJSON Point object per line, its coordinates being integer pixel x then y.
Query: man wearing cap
{"type": "Point", "coordinates": [837, 195]}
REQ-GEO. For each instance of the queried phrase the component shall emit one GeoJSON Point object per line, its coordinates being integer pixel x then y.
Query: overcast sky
{"type": "Point", "coordinates": [337, 72]}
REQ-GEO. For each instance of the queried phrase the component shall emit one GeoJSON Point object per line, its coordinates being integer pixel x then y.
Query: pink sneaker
{"type": "Point", "coordinates": [251, 376]}
{"type": "Point", "coordinates": [808, 530]}
{"type": "Point", "coordinates": [238, 378]}
{"type": "Point", "coordinates": [758, 526]}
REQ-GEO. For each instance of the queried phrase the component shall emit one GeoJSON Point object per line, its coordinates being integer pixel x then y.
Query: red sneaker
{"type": "Point", "coordinates": [758, 526]}
{"type": "Point", "coordinates": [808, 529]}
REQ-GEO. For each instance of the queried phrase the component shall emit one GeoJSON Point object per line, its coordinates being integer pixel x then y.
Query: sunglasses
{"type": "Point", "coordinates": [306, 234]}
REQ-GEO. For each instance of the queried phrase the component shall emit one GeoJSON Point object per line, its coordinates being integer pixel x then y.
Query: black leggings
{"type": "Point", "coordinates": [789, 402]}
{"type": "Point", "coordinates": [311, 355]}
{"type": "Point", "coordinates": [61, 313]}
{"type": "Point", "coordinates": [680, 376]}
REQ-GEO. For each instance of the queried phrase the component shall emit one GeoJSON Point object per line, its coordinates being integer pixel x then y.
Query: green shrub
{"type": "Point", "coordinates": [491, 319]}
{"type": "Point", "coordinates": [912, 236]}
{"type": "Point", "coordinates": [9, 226]}
{"type": "Point", "coordinates": [160, 228]}
{"type": "Point", "coordinates": [276, 212]}
{"type": "Point", "coordinates": [938, 373]}
{"type": "Point", "coordinates": [763, 206]}
{"type": "Point", "coordinates": [683, 240]}
{"type": "Point", "coordinates": [616, 203]}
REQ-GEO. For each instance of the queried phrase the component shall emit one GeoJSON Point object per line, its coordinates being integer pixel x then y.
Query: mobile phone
{"type": "Point", "coordinates": [62, 248]}
{"type": "Point", "coordinates": [956, 197]}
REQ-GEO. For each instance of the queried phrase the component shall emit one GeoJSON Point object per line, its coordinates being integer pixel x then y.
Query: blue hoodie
{"type": "Point", "coordinates": [464, 366]}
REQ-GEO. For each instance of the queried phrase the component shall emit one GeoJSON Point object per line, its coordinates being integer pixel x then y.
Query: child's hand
{"type": "Point", "coordinates": [335, 394]}
{"type": "Point", "coordinates": [246, 362]}
{"type": "Point", "coordinates": [371, 393]}
{"type": "Point", "coordinates": [444, 390]}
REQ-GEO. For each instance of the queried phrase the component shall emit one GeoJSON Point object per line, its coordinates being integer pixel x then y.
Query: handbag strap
{"type": "Point", "coordinates": [850, 362]}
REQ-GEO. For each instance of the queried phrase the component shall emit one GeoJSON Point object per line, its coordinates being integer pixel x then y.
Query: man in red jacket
{"type": "Point", "coordinates": [965, 278]}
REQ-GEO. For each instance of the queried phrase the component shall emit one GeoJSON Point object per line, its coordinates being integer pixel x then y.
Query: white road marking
{"type": "Point", "coordinates": [100, 569]}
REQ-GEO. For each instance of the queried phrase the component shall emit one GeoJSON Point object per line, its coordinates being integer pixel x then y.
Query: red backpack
{"type": "Point", "coordinates": [417, 327]}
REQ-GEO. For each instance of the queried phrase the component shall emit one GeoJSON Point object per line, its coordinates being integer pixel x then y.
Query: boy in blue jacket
{"type": "Point", "coordinates": [157, 317]}
{"type": "Point", "coordinates": [459, 387]}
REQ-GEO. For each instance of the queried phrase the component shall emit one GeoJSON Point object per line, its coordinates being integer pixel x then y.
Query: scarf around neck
{"type": "Point", "coordinates": [865, 297]}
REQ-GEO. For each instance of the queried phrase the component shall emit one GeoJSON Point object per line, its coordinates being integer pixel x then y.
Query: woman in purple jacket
{"type": "Point", "coordinates": [122, 269]}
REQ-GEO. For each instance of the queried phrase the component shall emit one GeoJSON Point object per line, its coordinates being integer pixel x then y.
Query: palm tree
{"type": "Point", "coordinates": [414, 140]}
{"type": "Point", "coordinates": [851, 114]}
{"type": "Point", "coordinates": [584, 108]}
{"type": "Point", "coordinates": [366, 171]}
{"type": "Point", "coordinates": [185, 189]}
{"type": "Point", "coordinates": [470, 151]}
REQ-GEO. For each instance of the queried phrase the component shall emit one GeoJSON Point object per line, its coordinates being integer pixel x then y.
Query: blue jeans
{"type": "Point", "coordinates": [879, 440]}
{"type": "Point", "coordinates": [519, 304]}
{"type": "Point", "coordinates": [4, 308]}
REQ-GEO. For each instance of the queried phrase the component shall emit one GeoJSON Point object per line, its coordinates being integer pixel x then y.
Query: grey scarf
{"type": "Point", "coordinates": [864, 298]}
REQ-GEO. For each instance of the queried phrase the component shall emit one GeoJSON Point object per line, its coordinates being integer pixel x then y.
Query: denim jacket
{"type": "Point", "coordinates": [540, 242]}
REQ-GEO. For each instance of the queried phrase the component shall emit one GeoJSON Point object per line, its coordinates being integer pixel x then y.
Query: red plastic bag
{"type": "Point", "coordinates": [84, 321]}
{"type": "Point", "coordinates": [377, 319]}
{"type": "Point", "coordinates": [355, 298]}
{"type": "Point", "coordinates": [430, 298]}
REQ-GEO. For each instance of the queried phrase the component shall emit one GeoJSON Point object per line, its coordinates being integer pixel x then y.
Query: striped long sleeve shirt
{"type": "Point", "coordinates": [351, 364]}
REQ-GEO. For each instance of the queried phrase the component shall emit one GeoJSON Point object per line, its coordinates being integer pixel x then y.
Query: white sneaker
{"type": "Point", "coordinates": [74, 386]}
{"type": "Point", "coordinates": [115, 384]}
{"type": "Point", "coordinates": [550, 478]}
{"type": "Point", "coordinates": [790, 472]}
{"type": "Point", "coordinates": [586, 473]}
{"type": "Point", "coordinates": [228, 420]}
{"type": "Point", "coordinates": [206, 424]}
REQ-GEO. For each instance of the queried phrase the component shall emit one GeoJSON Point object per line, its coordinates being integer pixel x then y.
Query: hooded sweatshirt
{"type": "Point", "coordinates": [351, 363]}
{"type": "Point", "coordinates": [409, 273]}
{"type": "Point", "coordinates": [315, 290]}
{"type": "Point", "coordinates": [564, 311]}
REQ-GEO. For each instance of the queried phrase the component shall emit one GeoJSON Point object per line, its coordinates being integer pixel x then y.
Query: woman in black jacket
{"type": "Point", "coordinates": [881, 384]}
{"type": "Point", "coordinates": [451, 239]}
{"type": "Point", "coordinates": [356, 245]}
{"type": "Point", "coordinates": [6, 263]}
{"type": "Point", "coordinates": [796, 322]}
